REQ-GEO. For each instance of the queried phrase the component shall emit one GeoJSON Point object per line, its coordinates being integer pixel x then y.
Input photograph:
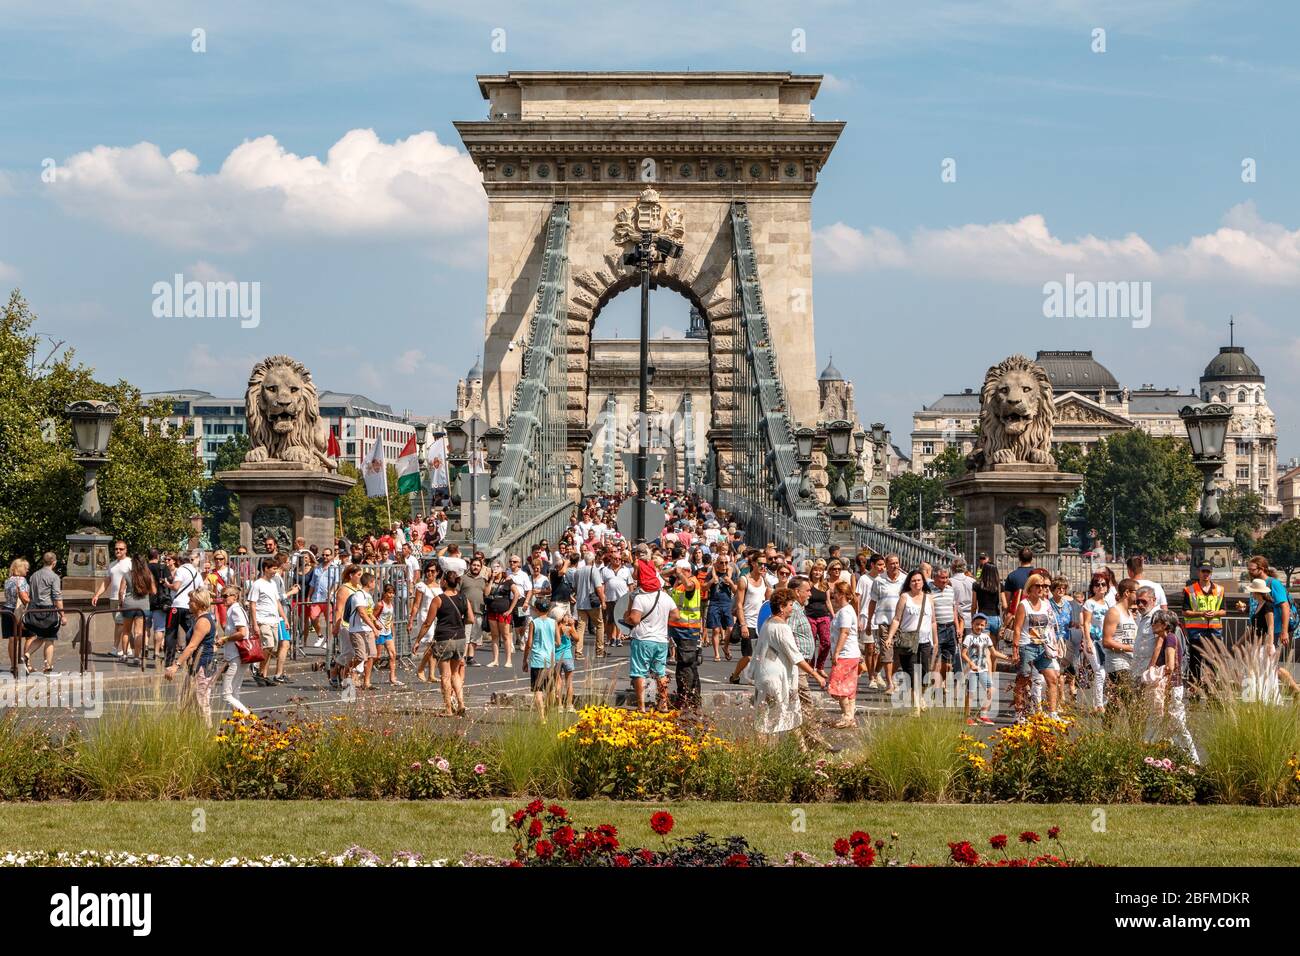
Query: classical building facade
{"type": "Point", "coordinates": [1091, 405]}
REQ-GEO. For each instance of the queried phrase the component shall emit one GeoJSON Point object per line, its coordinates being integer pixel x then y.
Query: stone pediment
{"type": "Point", "coordinates": [1075, 409]}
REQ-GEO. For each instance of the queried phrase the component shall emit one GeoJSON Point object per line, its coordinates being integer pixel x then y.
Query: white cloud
{"type": "Point", "coordinates": [365, 187]}
{"type": "Point", "coordinates": [204, 271]}
{"type": "Point", "coordinates": [1245, 248]}
{"type": "Point", "coordinates": [8, 273]}
{"type": "Point", "coordinates": [219, 372]}
{"type": "Point", "coordinates": [409, 361]}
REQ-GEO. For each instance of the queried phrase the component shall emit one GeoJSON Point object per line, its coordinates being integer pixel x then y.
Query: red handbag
{"type": "Point", "coordinates": [250, 650]}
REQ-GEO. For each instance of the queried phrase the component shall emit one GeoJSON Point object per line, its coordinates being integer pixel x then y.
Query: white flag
{"type": "Point", "coordinates": [376, 472]}
{"type": "Point", "coordinates": [438, 476]}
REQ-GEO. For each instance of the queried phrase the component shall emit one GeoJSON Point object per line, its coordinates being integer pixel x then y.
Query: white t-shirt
{"type": "Point", "coordinates": [187, 576]}
{"type": "Point", "coordinates": [978, 649]}
{"type": "Point", "coordinates": [846, 617]}
{"type": "Point", "coordinates": [864, 599]}
{"type": "Point", "coordinates": [457, 565]}
{"type": "Point", "coordinates": [655, 606]}
{"type": "Point", "coordinates": [265, 596]}
{"type": "Point", "coordinates": [357, 624]}
{"type": "Point", "coordinates": [236, 617]}
{"type": "Point", "coordinates": [884, 592]}
{"type": "Point", "coordinates": [115, 573]}
{"type": "Point", "coordinates": [524, 582]}
{"type": "Point", "coordinates": [426, 596]}
{"type": "Point", "coordinates": [412, 567]}
{"type": "Point", "coordinates": [1161, 600]}
{"type": "Point", "coordinates": [963, 590]}
{"type": "Point", "coordinates": [617, 583]}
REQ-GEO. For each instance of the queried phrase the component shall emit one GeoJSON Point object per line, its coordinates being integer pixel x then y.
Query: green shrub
{"type": "Point", "coordinates": [531, 758]}
{"type": "Point", "coordinates": [35, 762]}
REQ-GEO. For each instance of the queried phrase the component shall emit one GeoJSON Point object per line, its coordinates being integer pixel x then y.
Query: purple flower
{"type": "Point", "coordinates": [480, 768]}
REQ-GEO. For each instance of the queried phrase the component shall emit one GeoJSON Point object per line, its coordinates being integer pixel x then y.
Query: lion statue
{"type": "Point", "coordinates": [284, 422]}
{"type": "Point", "coordinates": [1016, 416]}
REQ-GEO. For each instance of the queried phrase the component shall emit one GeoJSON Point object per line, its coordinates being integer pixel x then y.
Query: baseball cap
{"type": "Point", "coordinates": [1205, 566]}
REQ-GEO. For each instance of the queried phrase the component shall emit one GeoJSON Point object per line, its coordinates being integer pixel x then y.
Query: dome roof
{"type": "Point", "coordinates": [475, 373]}
{"type": "Point", "coordinates": [830, 373]}
{"type": "Point", "coordinates": [1232, 364]}
{"type": "Point", "coordinates": [1073, 370]}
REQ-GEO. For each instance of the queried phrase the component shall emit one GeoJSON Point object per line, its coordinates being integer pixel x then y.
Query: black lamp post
{"type": "Point", "coordinates": [803, 440]}
{"type": "Point", "coordinates": [1207, 427]}
{"type": "Point", "coordinates": [92, 425]}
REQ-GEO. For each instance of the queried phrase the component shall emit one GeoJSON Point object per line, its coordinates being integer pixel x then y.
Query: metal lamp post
{"type": "Point", "coordinates": [803, 440]}
{"type": "Point", "coordinates": [839, 436]}
{"type": "Point", "coordinates": [1207, 427]}
{"type": "Point", "coordinates": [92, 425]}
{"type": "Point", "coordinates": [421, 433]}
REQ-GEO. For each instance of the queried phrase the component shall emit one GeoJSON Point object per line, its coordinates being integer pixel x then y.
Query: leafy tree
{"type": "Point", "coordinates": [147, 491]}
{"type": "Point", "coordinates": [363, 515]}
{"type": "Point", "coordinates": [1243, 515]}
{"type": "Point", "coordinates": [905, 513]}
{"type": "Point", "coordinates": [220, 506]}
{"type": "Point", "coordinates": [1281, 545]}
{"type": "Point", "coordinates": [1153, 485]}
{"type": "Point", "coordinates": [1070, 457]}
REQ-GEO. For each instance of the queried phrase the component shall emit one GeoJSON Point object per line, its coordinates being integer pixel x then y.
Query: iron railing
{"type": "Point", "coordinates": [911, 552]}
{"type": "Point", "coordinates": [531, 482]}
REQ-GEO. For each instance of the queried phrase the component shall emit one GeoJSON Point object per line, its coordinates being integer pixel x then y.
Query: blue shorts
{"type": "Point", "coordinates": [566, 665]}
{"type": "Point", "coordinates": [978, 679]}
{"type": "Point", "coordinates": [647, 658]}
{"type": "Point", "coordinates": [159, 622]}
{"type": "Point", "coordinates": [1033, 657]}
{"type": "Point", "coordinates": [993, 624]}
{"type": "Point", "coordinates": [383, 639]}
{"type": "Point", "coordinates": [720, 616]}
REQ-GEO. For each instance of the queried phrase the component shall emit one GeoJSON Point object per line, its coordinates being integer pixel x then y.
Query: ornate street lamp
{"type": "Point", "coordinates": [838, 434]}
{"type": "Point", "coordinates": [92, 424]}
{"type": "Point", "coordinates": [1207, 427]}
{"type": "Point", "coordinates": [493, 439]}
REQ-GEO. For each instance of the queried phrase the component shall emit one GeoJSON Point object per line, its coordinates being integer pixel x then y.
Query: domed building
{"type": "Point", "coordinates": [469, 393]}
{"type": "Point", "coordinates": [1091, 404]}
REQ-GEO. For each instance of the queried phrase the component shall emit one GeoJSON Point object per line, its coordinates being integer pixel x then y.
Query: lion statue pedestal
{"type": "Point", "coordinates": [1012, 494]}
{"type": "Point", "coordinates": [287, 484]}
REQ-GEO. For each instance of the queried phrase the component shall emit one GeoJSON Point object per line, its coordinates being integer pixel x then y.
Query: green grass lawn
{"type": "Point", "coordinates": [1132, 835]}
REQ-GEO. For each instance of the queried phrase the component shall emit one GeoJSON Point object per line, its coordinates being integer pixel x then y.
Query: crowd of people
{"type": "Point", "coordinates": [921, 636]}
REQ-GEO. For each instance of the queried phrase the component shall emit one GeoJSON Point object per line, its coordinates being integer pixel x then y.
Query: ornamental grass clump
{"type": "Point", "coordinates": [914, 757]}
{"type": "Point", "coordinates": [146, 753]}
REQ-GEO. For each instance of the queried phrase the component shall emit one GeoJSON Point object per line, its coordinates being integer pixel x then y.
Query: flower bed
{"type": "Point", "coordinates": [619, 754]}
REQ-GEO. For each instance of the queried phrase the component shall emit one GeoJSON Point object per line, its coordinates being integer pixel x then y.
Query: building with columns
{"type": "Point", "coordinates": [1091, 405]}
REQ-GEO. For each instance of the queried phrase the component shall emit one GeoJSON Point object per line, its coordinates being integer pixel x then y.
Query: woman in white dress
{"type": "Point", "coordinates": [775, 669]}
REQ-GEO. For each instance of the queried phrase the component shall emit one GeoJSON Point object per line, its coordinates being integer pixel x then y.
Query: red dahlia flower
{"type": "Point", "coordinates": [556, 810]}
{"type": "Point", "coordinates": [535, 829]}
{"type": "Point", "coordinates": [998, 842]}
{"type": "Point", "coordinates": [963, 853]}
{"type": "Point", "coordinates": [1054, 833]}
{"type": "Point", "coordinates": [864, 855]}
{"type": "Point", "coordinates": [534, 808]}
{"type": "Point", "coordinates": [517, 817]}
{"type": "Point", "coordinates": [842, 847]}
{"type": "Point", "coordinates": [736, 859]}
{"type": "Point", "coordinates": [661, 823]}
{"type": "Point", "coordinates": [544, 849]}
{"type": "Point", "coordinates": [858, 838]}
{"type": "Point", "coordinates": [1029, 836]}
{"type": "Point", "coordinates": [563, 836]}
{"type": "Point", "coordinates": [621, 860]}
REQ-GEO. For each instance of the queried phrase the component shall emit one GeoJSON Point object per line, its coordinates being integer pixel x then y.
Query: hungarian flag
{"type": "Point", "coordinates": [408, 468]}
{"type": "Point", "coordinates": [332, 448]}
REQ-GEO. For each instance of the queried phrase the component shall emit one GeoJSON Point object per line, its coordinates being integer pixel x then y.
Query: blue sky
{"type": "Point", "coordinates": [1122, 165]}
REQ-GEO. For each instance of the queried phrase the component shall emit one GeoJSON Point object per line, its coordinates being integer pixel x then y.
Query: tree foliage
{"type": "Point", "coordinates": [220, 506]}
{"type": "Point", "coordinates": [915, 499]}
{"type": "Point", "coordinates": [1154, 488]}
{"type": "Point", "coordinates": [363, 515]}
{"type": "Point", "coordinates": [147, 491]}
{"type": "Point", "coordinates": [1070, 457]}
{"type": "Point", "coordinates": [1281, 545]}
{"type": "Point", "coordinates": [1243, 515]}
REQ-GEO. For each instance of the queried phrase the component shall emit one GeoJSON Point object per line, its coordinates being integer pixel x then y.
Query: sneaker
{"type": "Point", "coordinates": [986, 721]}
{"type": "Point", "coordinates": [971, 722]}
{"type": "Point", "coordinates": [319, 642]}
{"type": "Point", "coordinates": [493, 664]}
{"type": "Point", "coordinates": [280, 679]}
{"type": "Point", "coordinates": [470, 662]}
{"type": "Point", "coordinates": [132, 661]}
{"type": "Point", "coordinates": [397, 683]}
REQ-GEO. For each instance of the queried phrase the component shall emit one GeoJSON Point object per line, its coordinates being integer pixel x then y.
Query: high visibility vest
{"type": "Point", "coordinates": [1200, 601]}
{"type": "Point", "coordinates": [688, 607]}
